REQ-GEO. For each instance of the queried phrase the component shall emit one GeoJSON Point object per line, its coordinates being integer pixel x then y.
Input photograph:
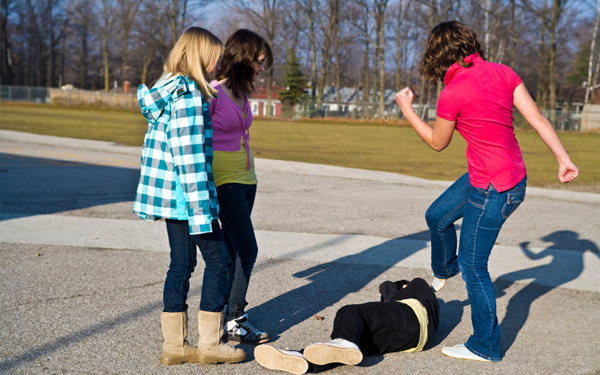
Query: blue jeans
{"type": "Point", "coordinates": [235, 203]}
{"type": "Point", "coordinates": [217, 261]}
{"type": "Point", "coordinates": [484, 211]}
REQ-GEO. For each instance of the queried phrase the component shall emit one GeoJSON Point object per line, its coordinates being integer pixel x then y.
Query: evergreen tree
{"type": "Point", "coordinates": [294, 82]}
{"type": "Point", "coordinates": [579, 67]}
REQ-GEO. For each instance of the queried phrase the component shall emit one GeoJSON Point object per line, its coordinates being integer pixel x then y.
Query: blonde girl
{"type": "Point", "coordinates": [177, 184]}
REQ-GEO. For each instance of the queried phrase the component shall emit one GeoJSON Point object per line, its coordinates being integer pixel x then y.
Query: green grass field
{"type": "Point", "coordinates": [384, 148]}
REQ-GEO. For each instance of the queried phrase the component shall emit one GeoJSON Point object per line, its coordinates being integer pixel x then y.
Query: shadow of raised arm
{"type": "Point", "coordinates": [530, 254]}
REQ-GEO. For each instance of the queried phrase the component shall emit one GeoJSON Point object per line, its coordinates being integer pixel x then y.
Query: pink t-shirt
{"type": "Point", "coordinates": [480, 100]}
{"type": "Point", "coordinates": [229, 122]}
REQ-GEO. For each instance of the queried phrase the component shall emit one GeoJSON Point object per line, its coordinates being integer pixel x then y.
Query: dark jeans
{"type": "Point", "coordinates": [235, 207]}
{"type": "Point", "coordinates": [484, 211]}
{"type": "Point", "coordinates": [217, 261]}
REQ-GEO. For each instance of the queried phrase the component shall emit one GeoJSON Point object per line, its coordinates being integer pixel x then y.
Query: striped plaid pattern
{"type": "Point", "coordinates": [176, 180]}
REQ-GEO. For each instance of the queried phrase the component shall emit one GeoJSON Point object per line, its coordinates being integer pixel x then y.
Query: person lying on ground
{"type": "Point", "coordinates": [403, 321]}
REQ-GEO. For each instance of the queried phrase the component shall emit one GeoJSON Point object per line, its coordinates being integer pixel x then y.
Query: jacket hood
{"type": "Point", "coordinates": [153, 101]}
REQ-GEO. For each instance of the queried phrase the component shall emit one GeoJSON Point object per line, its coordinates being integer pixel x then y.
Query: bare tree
{"type": "Point", "coordinates": [307, 8]}
{"type": "Point", "coordinates": [379, 15]}
{"type": "Point", "coordinates": [375, 10]}
{"type": "Point", "coordinates": [589, 85]}
{"type": "Point", "coordinates": [400, 39]}
{"type": "Point", "coordinates": [361, 21]}
{"type": "Point", "coordinates": [264, 16]}
{"type": "Point", "coordinates": [328, 26]}
{"type": "Point", "coordinates": [6, 67]}
{"type": "Point", "coordinates": [514, 36]}
{"type": "Point", "coordinates": [128, 10]}
{"type": "Point", "coordinates": [557, 8]}
{"type": "Point", "coordinates": [107, 26]}
{"type": "Point", "coordinates": [175, 11]}
{"type": "Point", "coordinates": [82, 26]}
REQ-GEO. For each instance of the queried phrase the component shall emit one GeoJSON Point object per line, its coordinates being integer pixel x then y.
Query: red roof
{"type": "Point", "coordinates": [261, 93]}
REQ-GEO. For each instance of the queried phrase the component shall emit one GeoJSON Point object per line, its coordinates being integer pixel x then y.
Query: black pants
{"type": "Point", "coordinates": [376, 327]}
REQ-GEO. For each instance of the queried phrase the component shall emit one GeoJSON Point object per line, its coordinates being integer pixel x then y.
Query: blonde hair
{"type": "Point", "coordinates": [196, 50]}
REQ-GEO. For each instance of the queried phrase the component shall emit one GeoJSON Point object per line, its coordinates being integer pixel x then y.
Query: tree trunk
{"type": "Point", "coordinates": [513, 34]}
{"type": "Point", "coordinates": [421, 96]}
{"type": "Point", "coordinates": [398, 41]}
{"type": "Point", "coordinates": [589, 88]}
{"type": "Point", "coordinates": [6, 71]}
{"type": "Point", "coordinates": [381, 67]}
{"type": "Point", "coordinates": [172, 14]}
{"type": "Point", "coordinates": [312, 39]}
{"type": "Point", "coordinates": [328, 35]}
{"type": "Point", "coordinates": [337, 71]}
{"type": "Point", "coordinates": [106, 66]}
{"type": "Point", "coordinates": [375, 64]}
{"type": "Point", "coordinates": [83, 63]}
{"type": "Point", "coordinates": [129, 10]}
{"type": "Point", "coordinates": [556, 10]}
{"type": "Point", "coordinates": [488, 35]}
{"type": "Point", "coordinates": [365, 88]}
{"type": "Point", "coordinates": [540, 92]}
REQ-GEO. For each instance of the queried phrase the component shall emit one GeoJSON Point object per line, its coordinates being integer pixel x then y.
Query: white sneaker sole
{"type": "Point", "coordinates": [462, 354]}
{"type": "Point", "coordinates": [322, 354]}
{"type": "Point", "coordinates": [274, 359]}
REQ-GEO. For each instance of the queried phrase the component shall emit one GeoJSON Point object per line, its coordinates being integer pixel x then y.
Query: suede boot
{"type": "Point", "coordinates": [176, 348]}
{"type": "Point", "coordinates": [211, 348]}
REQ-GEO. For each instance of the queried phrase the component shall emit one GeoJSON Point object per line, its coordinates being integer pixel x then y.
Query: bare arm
{"type": "Point", "coordinates": [437, 138]}
{"type": "Point", "coordinates": [567, 171]}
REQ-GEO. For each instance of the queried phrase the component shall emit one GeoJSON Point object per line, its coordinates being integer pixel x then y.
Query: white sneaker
{"type": "Point", "coordinates": [282, 360]}
{"type": "Point", "coordinates": [335, 351]}
{"type": "Point", "coordinates": [437, 284]}
{"type": "Point", "coordinates": [461, 352]}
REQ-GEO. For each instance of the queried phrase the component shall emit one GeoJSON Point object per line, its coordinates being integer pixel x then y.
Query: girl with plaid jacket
{"type": "Point", "coordinates": [176, 184]}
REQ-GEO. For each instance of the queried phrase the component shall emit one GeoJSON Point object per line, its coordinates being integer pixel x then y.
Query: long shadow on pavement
{"type": "Point", "coordinates": [36, 186]}
{"type": "Point", "coordinates": [32, 354]}
{"type": "Point", "coordinates": [565, 266]}
{"type": "Point", "coordinates": [330, 282]}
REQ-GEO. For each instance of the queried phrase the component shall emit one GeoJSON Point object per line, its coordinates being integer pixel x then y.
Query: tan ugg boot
{"type": "Point", "coordinates": [211, 348]}
{"type": "Point", "coordinates": [176, 348]}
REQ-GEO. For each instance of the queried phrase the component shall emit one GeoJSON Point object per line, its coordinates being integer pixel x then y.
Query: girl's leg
{"type": "Point", "coordinates": [217, 260]}
{"type": "Point", "coordinates": [484, 216]}
{"type": "Point", "coordinates": [440, 216]}
{"type": "Point", "coordinates": [174, 318]}
{"type": "Point", "coordinates": [183, 262]}
{"type": "Point", "coordinates": [236, 202]}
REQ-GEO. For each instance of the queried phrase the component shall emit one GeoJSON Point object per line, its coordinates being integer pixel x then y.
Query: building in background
{"type": "Point", "coordinates": [258, 102]}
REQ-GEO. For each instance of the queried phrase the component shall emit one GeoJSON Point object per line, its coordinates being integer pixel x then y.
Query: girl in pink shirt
{"type": "Point", "coordinates": [478, 102]}
{"type": "Point", "coordinates": [246, 55]}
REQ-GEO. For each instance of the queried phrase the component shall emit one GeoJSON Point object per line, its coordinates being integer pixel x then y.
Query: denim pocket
{"type": "Point", "coordinates": [513, 200]}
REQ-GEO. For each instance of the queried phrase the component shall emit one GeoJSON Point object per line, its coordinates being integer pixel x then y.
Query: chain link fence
{"type": "Point", "coordinates": [71, 97]}
{"type": "Point", "coordinates": [24, 94]}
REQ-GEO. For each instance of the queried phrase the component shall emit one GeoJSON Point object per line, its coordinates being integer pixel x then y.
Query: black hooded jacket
{"type": "Point", "coordinates": [418, 289]}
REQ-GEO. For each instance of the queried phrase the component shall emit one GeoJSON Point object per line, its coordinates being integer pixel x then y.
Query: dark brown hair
{"type": "Point", "coordinates": [242, 51]}
{"type": "Point", "coordinates": [449, 42]}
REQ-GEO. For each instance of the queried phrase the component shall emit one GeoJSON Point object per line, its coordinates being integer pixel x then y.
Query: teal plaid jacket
{"type": "Point", "coordinates": [176, 180]}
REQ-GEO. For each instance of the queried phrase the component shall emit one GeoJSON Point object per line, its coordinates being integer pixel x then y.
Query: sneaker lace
{"type": "Point", "coordinates": [250, 328]}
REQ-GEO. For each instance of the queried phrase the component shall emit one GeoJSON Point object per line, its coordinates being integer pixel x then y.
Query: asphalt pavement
{"type": "Point", "coordinates": [81, 276]}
